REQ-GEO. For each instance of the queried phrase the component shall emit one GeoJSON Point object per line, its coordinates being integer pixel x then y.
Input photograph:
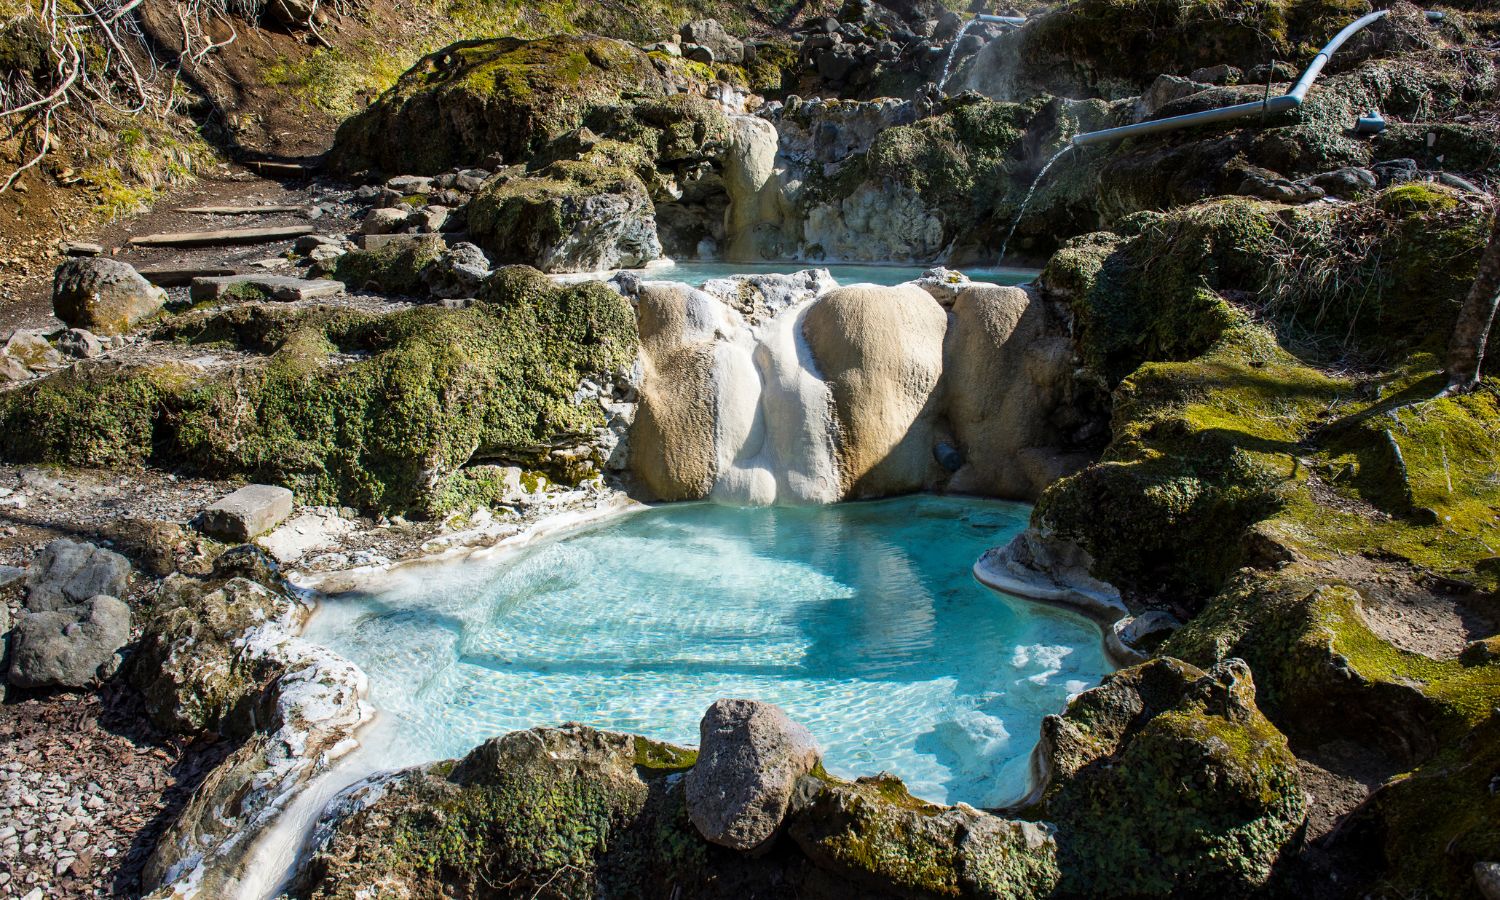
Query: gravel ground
{"type": "Point", "coordinates": [85, 790]}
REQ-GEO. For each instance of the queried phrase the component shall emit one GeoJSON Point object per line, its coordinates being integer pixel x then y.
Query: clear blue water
{"type": "Point", "coordinates": [695, 273]}
{"type": "Point", "coordinates": [862, 620]}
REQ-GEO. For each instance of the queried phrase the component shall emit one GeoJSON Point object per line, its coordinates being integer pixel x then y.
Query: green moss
{"type": "Point", "coordinates": [507, 96]}
{"type": "Point", "coordinates": [395, 268]}
{"type": "Point", "coordinates": [875, 834]}
{"type": "Point", "coordinates": [385, 429]}
{"type": "Point", "coordinates": [1170, 782]}
{"type": "Point", "coordinates": [1130, 42]}
{"type": "Point", "coordinates": [1438, 821]}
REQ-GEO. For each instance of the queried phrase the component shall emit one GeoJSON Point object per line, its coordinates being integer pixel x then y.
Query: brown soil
{"type": "Point", "coordinates": [1416, 612]}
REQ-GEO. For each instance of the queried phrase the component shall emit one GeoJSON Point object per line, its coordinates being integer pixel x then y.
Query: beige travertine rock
{"type": "Point", "coordinates": [881, 351]}
{"type": "Point", "coordinates": [672, 440]}
{"type": "Point", "coordinates": [1003, 371]}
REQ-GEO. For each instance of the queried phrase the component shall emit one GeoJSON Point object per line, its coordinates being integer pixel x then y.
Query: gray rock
{"type": "Point", "coordinates": [33, 351]}
{"type": "Point", "coordinates": [1348, 182]}
{"type": "Point", "coordinates": [428, 219]}
{"type": "Point", "coordinates": [103, 295]}
{"type": "Point", "coordinates": [384, 220]}
{"type": "Point", "coordinates": [698, 53]}
{"type": "Point", "coordinates": [1281, 190]}
{"type": "Point", "coordinates": [749, 759]}
{"type": "Point", "coordinates": [1220, 74]}
{"type": "Point", "coordinates": [1164, 90]}
{"type": "Point", "coordinates": [310, 242]}
{"type": "Point", "coordinates": [80, 344]}
{"type": "Point", "coordinates": [12, 370]}
{"type": "Point", "coordinates": [457, 273]}
{"type": "Point", "coordinates": [471, 180]}
{"type": "Point", "coordinates": [69, 572]}
{"type": "Point", "coordinates": [835, 63]}
{"type": "Point", "coordinates": [80, 248]}
{"type": "Point", "coordinates": [410, 184]}
{"type": "Point", "coordinates": [709, 33]}
{"type": "Point", "coordinates": [1395, 171]}
{"type": "Point", "coordinates": [1487, 877]}
{"type": "Point", "coordinates": [247, 513]}
{"type": "Point", "coordinates": [69, 647]}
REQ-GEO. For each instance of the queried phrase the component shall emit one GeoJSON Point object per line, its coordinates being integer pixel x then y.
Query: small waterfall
{"type": "Point", "coordinates": [1029, 193]}
{"type": "Point", "coordinates": [952, 52]}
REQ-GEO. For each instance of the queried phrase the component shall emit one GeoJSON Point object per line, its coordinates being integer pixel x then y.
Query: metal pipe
{"type": "Point", "coordinates": [1288, 101]}
{"type": "Point", "coordinates": [1000, 20]}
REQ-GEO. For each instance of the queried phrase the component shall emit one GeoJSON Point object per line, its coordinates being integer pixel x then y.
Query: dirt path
{"type": "Point", "coordinates": [29, 304]}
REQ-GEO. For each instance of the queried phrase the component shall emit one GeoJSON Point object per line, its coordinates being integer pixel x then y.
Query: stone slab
{"type": "Point", "coordinates": [247, 513]}
{"type": "Point", "coordinates": [277, 287]}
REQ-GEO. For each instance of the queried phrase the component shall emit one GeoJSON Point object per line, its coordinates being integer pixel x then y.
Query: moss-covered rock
{"type": "Point", "coordinates": [380, 412]}
{"type": "Point", "coordinates": [190, 665]}
{"type": "Point", "coordinates": [502, 96]}
{"type": "Point", "coordinates": [1434, 824]}
{"type": "Point", "coordinates": [568, 217]}
{"type": "Point", "coordinates": [1168, 781]}
{"type": "Point", "coordinates": [1115, 47]}
{"type": "Point", "coordinates": [879, 836]}
{"type": "Point", "coordinates": [575, 812]}
{"type": "Point", "coordinates": [395, 268]}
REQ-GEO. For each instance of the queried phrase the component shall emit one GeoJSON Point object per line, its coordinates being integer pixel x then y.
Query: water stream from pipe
{"type": "Point", "coordinates": [1035, 182]}
{"type": "Point", "coordinates": [952, 52]}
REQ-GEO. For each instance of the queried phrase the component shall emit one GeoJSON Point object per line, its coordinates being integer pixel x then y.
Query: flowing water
{"type": "Point", "coordinates": [952, 52]}
{"type": "Point", "coordinates": [862, 620]}
{"type": "Point", "coordinates": [1026, 201]}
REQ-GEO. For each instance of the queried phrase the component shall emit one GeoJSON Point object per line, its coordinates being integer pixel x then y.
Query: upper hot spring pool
{"type": "Point", "coordinates": [862, 620]}
{"type": "Point", "coordinates": [695, 273]}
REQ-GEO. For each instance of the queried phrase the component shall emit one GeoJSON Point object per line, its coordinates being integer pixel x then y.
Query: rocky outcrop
{"type": "Point", "coordinates": [568, 217]}
{"type": "Point", "coordinates": [374, 410]}
{"type": "Point", "coordinates": [221, 653]}
{"type": "Point", "coordinates": [103, 295]}
{"type": "Point", "coordinates": [750, 755]}
{"type": "Point", "coordinates": [882, 839]}
{"type": "Point", "coordinates": [857, 393]}
{"type": "Point", "coordinates": [1118, 759]}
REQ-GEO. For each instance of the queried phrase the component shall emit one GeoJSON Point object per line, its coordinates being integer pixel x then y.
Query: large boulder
{"type": "Point", "coordinates": [568, 217]}
{"type": "Point", "coordinates": [503, 96]}
{"type": "Point", "coordinates": [70, 647]}
{"type": "Point", "coordinates": [68, 572]}
{"type": "Point", "coordinates": [708, 33]}
{"type": "Point", "coordinates": [103, 295]}
{"type": "Point", "coordinates": [881, 351]}
{"type": "Point", "coordinates": [247, 513]}
{"type": "Point", "coordinates": [750, 756]}
{"type": "Point", "coordinates": [1166, 780]}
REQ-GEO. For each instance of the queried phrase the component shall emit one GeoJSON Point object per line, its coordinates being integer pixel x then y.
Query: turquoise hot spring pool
{"type": "Point", "coordinates": [862, 620]}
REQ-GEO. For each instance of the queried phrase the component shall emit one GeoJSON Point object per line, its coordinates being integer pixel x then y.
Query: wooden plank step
{"type": "Point", "coordinates": [241, 210]}
{"type": "Point", "coordinates": [223, 237]}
